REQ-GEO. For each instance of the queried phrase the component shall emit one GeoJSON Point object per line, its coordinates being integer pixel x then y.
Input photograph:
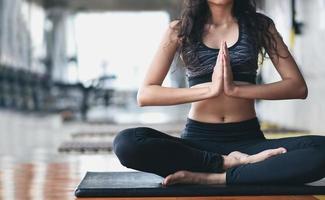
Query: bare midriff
{"type": "Point", "coordinates": [222, 109]}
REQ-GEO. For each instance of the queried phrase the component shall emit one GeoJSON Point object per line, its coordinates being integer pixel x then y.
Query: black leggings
{"type": "Point", "coordinates": [201, 145]}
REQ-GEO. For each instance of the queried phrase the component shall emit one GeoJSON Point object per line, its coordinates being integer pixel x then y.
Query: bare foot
{"type": "Point", "coordinates": [237, 158]}
{"type": "Point", "coordinates": [238, 155]}
{"type": "Point", "coordinates": [187, 177]}
{"type": "Point", "coordinates": [265, 155]}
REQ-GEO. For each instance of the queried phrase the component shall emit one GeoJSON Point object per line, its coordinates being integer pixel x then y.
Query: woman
{"type": "Point", "coordinates": [219, 41]}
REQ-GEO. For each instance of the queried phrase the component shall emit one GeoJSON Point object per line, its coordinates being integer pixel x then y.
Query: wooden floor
{"type": "Point", "coordinates": [57, 181]}
{"type": "Point", "coordinates": [31, 168]}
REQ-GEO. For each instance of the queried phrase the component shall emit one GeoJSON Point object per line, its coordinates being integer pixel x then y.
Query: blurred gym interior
{"type": "Point", "coordinates": [69, 74]}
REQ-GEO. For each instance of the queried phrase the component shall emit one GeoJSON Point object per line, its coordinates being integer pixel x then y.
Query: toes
{"type": "Point", "coordinates": [266, 154]}
{"type": "Point", "coordinates": [168, 180]}
{"type": "Point", "coordinates": [277, 151]}
{"type": "Point", "coordinates": [283, 150]}
{"type": "Point", "coordinates": [174, 178]}
{"type": "Point", "coordinates": [271, 152]}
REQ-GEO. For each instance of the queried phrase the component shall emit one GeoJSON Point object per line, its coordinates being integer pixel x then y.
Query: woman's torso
{"type": "Point", "coordinates": [222, 109]}
{"type": "Point", "coordinates": [243, 53]}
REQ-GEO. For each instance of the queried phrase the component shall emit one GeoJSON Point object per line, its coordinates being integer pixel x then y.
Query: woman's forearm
{"type": "Point", "coordinates": [285, 89]}
{"type": "Point", "coordinates": [156, 95]}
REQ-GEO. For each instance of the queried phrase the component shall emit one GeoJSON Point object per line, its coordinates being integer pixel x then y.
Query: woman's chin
{"type": "Point", "coordinates": [220, 2]}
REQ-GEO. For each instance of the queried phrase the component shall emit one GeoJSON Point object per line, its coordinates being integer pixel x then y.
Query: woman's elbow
{"type": "Point", "coordinates": [142, 100]}
{"type": "Point", "coordinates": [303, 92]}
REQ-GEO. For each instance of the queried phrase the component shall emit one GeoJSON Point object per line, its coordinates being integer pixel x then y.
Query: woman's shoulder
{"type": "Point", "coordinates": [264, 18]}
{"type": "Point", "coordinates": [268, 23]}
{"type": "Point", "coordinates": [174, 28]}
{"type": "Point", "coordinates": [259, 21]}
{"type": "Point", "coordinates": [174, 23]}
{"type": "Point", "coordinates": [258, 16]}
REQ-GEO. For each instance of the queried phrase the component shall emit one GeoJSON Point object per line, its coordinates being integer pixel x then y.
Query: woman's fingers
{"type": "Point", "coordinates": [225, 48]}
{"type": "Point", "coordinates": [224, 66]}
{"type": "Point", "coordinates": [226, 53]}
{"type": "Point", "coordinates": [218, 62]}
{"type": "Point", "coordinates": [226, 63]}
{"type": "Point", "coordinates": [220, 53]}
{"type": "Point", "coordinates": [222, 69]}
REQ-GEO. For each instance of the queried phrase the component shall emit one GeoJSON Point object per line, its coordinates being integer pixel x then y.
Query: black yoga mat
{"type": "Point", "coordinates": [141, 184]}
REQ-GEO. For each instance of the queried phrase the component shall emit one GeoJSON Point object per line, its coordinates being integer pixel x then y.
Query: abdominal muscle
{"type": "Point", "coordinates": [222, 109]}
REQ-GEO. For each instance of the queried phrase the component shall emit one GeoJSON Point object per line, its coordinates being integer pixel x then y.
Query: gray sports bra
{"type": "Point", "coordinates": [243, 60]}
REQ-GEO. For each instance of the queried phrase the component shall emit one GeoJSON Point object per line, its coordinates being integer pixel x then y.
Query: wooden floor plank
{"type": "Point", "coordinates": [320, 197]}
{"type": "Point", "coordinates": [58, 181]}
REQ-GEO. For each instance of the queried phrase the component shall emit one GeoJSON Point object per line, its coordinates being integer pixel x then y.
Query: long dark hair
{"type": "Point", "coordinates": [195, 14]}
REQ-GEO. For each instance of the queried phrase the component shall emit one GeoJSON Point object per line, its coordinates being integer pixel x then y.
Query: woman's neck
{"type": "Point", "coordinates": [221, 14]}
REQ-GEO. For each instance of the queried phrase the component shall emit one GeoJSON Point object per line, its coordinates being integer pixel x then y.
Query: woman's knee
{"type": "Point", "coordinates": [306, 141]}
{"type": "Point", "coordinates": [121, 138]}
{"type": "Point", "coordinates": [317, 140]}
{"type": "Point", "coordinates": [127, 144]}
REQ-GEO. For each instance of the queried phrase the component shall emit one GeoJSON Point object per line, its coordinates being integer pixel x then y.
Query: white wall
{"type": "Point", "coordinates": [308, 51]}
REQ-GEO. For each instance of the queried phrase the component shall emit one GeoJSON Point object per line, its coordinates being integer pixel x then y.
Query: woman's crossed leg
{"type": "Point", "coordinates": [177, 159]}
{"type": "Point", "coordinates": [304, 162]}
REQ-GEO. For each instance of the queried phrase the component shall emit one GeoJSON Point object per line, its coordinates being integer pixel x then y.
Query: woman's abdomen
{"type": "Point", "coordinates": [223, 109]}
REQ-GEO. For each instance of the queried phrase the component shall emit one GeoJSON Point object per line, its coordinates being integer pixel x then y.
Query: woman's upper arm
{"type": "Point", "coordinates": [163, 57]}
{"type": "Point", "coordinates": [284, 61]}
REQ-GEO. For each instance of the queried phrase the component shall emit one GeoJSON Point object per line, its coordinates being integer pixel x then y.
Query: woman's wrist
{"type": "Point", "coordinates": [232, 90]}
{"type": "Point", "coordinates": [207, 91]}
{"type": "Point", "coordinates": [210, 93]}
